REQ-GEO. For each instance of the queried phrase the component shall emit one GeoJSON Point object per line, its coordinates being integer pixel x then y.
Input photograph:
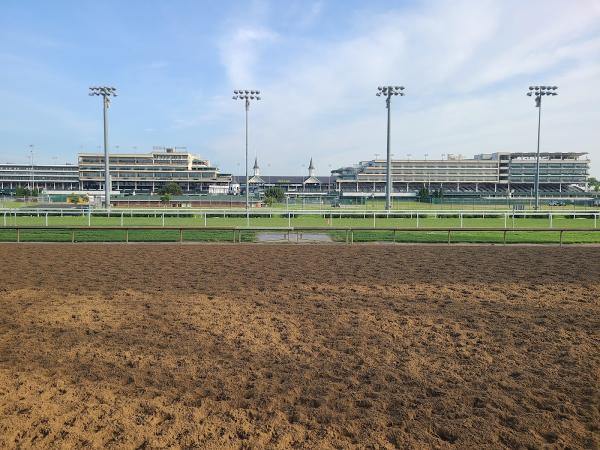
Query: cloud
{"type": "Point", "coordinates": [465, 64]}
{"type": "Point", "coordinates": [240, 51]}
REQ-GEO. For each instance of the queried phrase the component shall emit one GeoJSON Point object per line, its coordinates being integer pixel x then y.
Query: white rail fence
{"type": "Point", "coordinates": [12, 216]}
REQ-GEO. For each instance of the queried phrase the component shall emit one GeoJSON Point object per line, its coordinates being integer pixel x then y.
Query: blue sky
{"type": "Point", "coordinates": [466, 66]}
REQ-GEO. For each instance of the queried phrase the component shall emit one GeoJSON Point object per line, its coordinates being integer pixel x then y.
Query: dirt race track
{"type": "Point", "coordinates": [277, 346]}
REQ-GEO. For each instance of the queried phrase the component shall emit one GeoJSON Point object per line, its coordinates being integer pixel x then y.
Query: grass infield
{"type": "Point", "coordinates": [198, 220]}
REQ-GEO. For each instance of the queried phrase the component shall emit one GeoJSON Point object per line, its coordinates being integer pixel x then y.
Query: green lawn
{"type": "Point", "coordinates": [516, 237]}
{"type": "Point", "coordinates": [14, 204]}
{"type": "Point", "coordinates": [336, 219]}
{"type": "Point", "coordinates": [563, 221]}
{"type": "Point", "coordinates": [54, 235]}
{"type": "Point", "coordinates": [445, 205]}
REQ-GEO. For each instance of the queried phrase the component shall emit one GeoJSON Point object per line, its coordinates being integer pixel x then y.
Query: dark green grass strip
{"type": "Point", "coordinates": [492, 237]}
{"type": "Point", "coordinates": [512, 237]}
{"type": "Point", "coordinates": [120, 236]}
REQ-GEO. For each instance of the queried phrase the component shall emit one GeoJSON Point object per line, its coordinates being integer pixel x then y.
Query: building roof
{"type": "Point", "coordinates": [284, 179]}
{"type": "Point", "coordinates": [256, 179]}
{"type": "Point", "coordinates": [573, 155]}
{"type": "Point", "coordinates": [312, 180]}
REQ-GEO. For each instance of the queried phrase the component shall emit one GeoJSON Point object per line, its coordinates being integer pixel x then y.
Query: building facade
{"type": "Point", "coordinates": [291, 184]}
{"type": "Point", "coordinates": [48, 177]}
{"type": "Point", "coordinates": [145, 173]}
{"type": "Point", "coordinates": [148, 172]}
{"type": "Point", "coordinates": [485, 173]}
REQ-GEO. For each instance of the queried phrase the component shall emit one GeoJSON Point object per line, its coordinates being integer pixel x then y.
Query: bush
{"type": "Point", "coordinates": [274, 195]}
{"type": "Point", "coordinates": [171, 188]}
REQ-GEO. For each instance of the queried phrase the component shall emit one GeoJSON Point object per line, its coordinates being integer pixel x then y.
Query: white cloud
{"type": "Point", "coordinates": [240, 52]}
{"type": "Point", "coordinates": [466, 66]}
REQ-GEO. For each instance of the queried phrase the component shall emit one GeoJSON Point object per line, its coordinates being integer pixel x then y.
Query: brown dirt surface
{"type": "Point", "coordinates": [283, 346]}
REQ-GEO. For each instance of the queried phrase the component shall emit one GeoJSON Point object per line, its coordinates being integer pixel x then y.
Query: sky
{"type": "Point", "coordinates": [466, 66]}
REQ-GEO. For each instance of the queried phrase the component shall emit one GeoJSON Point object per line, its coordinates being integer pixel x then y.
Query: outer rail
{"type": "Point", "coordinates": [237, 231]}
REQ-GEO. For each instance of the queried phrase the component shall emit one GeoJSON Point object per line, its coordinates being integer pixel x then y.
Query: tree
{"type": "Point", "coordinates": [171, 188]}
{"type": "Point", "coordinates": [423, 194]}
{"type": "Point", "coordinates": [274, 195]}
{"type": "Point", "coordinates": [73, 198]}
{"type": "Point", "coordinates": [22, 192]}
{"type": "Point", "coordinates": [165, 198]}
{"type": "Point", "coordinates": [77, 199]}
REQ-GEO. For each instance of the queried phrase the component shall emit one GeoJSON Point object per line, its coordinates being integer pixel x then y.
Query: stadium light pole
{"type": "Point", "coordinates": [246, 96]}
{"type": "Point", "coordinates": [388, 92]}
{"type": "Point", "coordinates": [538, 92]}
{"type": "Point", "coordinates": [32, 169]}
{"type": "Point", "coordinates": [106, 93]}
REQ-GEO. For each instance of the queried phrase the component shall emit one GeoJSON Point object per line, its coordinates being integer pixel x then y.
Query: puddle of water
{"type": "Point", "coordinates": [294, 237]}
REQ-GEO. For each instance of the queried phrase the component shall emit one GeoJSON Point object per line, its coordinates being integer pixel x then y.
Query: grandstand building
{"type": "Point", "coordinates": [148, 172]}
{"type": "Point", "coordinates": [291, 184]}
{"type": "Point", "coordinates": [501, 174]}
{"type": "Point", "coordinates": [55, 177]}
{"type": "Point", "coordinates": [495, 173]}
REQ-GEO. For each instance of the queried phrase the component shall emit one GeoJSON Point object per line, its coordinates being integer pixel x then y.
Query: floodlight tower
{"type": "Point", "coordinates": [538, 92]}
{"type": "Point", "coordinates": [388, 92]}
{"type": "Point", "coordinates": [32, 169]}
{"type": "Point", "coordinates": [246, 96]}
{"type": "Point", "coordinates": [106, 93]}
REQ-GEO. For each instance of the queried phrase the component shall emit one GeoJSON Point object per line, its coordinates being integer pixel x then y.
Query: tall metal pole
{"type": "Point", "coordinates": [537, 162]}
{"type": "Point", "coordinates": [537, 92]}
{"type": "Point", "coordinates": [106, 161]}
{"type": "Point", "coordinates": [387, 92]}
{"type": "Point", "coordinates": [32, 169]}
{"type": "Point", "coordinates": [105, 92]}
{"type": "Point", "coordinates": [247, 96]}
{"type": "Point", "coordinates": [388, 181]}
{"type": "Point", "coordinates": [247, 184]}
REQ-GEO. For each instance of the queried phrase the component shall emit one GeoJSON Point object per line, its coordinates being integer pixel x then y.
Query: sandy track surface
{"type": "Point", "coordinates": [218, 346]}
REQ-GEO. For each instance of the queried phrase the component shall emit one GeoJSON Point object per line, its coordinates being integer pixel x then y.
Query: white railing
{"type": "Point", "coordinates": [10, 216]}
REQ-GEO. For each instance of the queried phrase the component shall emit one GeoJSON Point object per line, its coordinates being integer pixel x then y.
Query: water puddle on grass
{"type": "Point", "coordinates": [293, 237]}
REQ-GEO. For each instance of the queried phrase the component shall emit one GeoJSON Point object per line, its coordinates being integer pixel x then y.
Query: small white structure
{"type": "Point", "coordinates": [234, 189]}
{"type": "Point", "coordinates": [256, 179]}
{"type": "Point", "coordinates": [215, 189]}
{"type": "Point", "coordinates": [312, 178]}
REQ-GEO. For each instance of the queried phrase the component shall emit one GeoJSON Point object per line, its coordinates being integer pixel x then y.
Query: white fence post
{"type": "Point", "coordinates": [417, 220]}
{"type": "Point", "coordinates": [46, 219]}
